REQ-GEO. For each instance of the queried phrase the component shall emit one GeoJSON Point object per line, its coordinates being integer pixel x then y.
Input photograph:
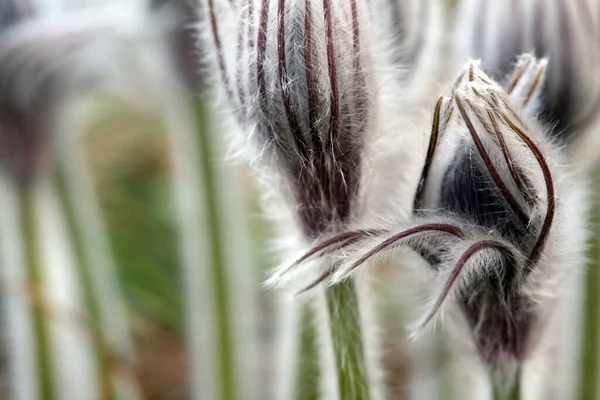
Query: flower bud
{"type": "Point", "coordinates": [498, 219]}
{"type": "Point", "coordinates": [303, 88]}
{"type": "Point", "coordinates": [500, 173]}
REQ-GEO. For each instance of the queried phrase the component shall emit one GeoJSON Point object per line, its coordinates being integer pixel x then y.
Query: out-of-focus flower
{"type": "Point", "coordinates": [413, 31]}
{"type": "Point", "coordinates": [183, 40]}
{"type": "Point", "coordinates": [43, 60]}
{"type": "Point", "coordinates": [563, 31]}
{"type": "Point", "coordinates": [496, 216]}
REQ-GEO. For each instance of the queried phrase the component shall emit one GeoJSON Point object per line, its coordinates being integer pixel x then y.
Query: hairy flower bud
{"type": "Point", "coordinates": [496, 217]}
{"type": "Point", "coordinates": [563, 31]}
{"type": "Point", "coordinates": [304, 86]}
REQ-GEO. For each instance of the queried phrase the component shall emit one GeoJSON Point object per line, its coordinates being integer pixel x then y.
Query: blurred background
{"type": "Point", "coordinates": [92, 93]}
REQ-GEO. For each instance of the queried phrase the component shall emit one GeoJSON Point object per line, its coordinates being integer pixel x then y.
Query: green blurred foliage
{"type": "Point", "coordinates": [129, 157]}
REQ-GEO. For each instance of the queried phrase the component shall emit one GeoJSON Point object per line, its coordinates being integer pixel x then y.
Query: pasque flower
{"type": "Point", "coordinates": [301, 88]}
{"type": "Point", "coordinates": [312, 86]}
{"type": "Point", "coordinates": [495, 215]}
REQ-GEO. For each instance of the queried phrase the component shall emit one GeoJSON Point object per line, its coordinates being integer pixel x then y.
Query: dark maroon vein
{"type": "Point", "coordinates": [335, 100]}
{"type": "Point", "coordinates": [283, 82]}
{"type": "Point", "coordinates": [332, 244]}
{"type": "Point", "coordinates": [517, 177]}
{"type": "Point", "coordinates": [464, 258]}
{"type": "Point", "coordinates": [490, 166]}
{"type": "Point", "coordinates": [327, 273]}
{"type": "Point", "coordinates": [545, 230]}
{"type": "Point", "coordinates": [448, 115]}
{"type": "Point", "coordinates": [219, 49]}
{"type": "Point", "coordinates": [433, 140]}
{"type": "Point", "coordinates": [518, 75]}
{"type": "Point", "coordinates": [442, 228]}
{"type": "Point", "coordinates": [534, 85]}
{"type": "Point", "coordinates": [310, 78]}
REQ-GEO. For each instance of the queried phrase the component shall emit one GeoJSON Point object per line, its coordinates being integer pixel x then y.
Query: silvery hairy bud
{"type": "Point", "coordinates": [563, 31]}
{"type": "Point", "coordinates": [305, 86]}
{"type": "Point", "coordinates": [496, 217]}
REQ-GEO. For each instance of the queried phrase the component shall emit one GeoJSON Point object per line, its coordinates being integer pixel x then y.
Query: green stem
{"type": "Point", "coordinates": [220, 285]}
{"type": "Point", "coordinates": [347, 337]}
{"type": "Point", "coordinates": [90, 297]}
{"type": "Point", "coordinates": [591, 324]}
{"type": "Point", "coordinates": [40, 322]}
{"type": "Point", "coordinates": [307, 379]}
{"type": "Point", "coordinates": [501, 392]}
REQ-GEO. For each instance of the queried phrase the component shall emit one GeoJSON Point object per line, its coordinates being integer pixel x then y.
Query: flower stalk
{"type": "Point", "coordinates": [218, 268]}
{"type": "Point", "coordinates": [348, 341]}
{"type": "Point", "coordinates": [27, 217]}
{"type": "Point", "coordinates": [208, 287]}
{"type": "Point", "coordinates": [104, 305]}
{"type": "Point", "coordinates": [500, 392]}
{"type": "Point", "coordinates": [307, 375]}
{"type": "Point", "coordinates": [590, 340]}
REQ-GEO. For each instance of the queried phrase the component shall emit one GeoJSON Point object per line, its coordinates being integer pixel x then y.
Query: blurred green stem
{"type": "Point", "coordinates": [591, 312]}
{"type": "Point", "coordinates": [30, 241]}
{"type": "Point", "coordinates": [90, 297]}
{"type": "Point", "coordinates": [218, 269]}
{"type": "Point", "coordinates": [513, 393]}
{"type": "Point", "coordinates": [307, 377]}
{"type": "Point", "coordinates": [347, 337]}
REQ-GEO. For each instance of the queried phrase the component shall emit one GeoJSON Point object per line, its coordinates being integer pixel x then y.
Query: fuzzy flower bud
{"type": "Point", "coordinates": [303, 86]}
{"type": "Point", "coordinates": [563, 31]}
{"type": "Point", "coordinates": [496, 217]}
